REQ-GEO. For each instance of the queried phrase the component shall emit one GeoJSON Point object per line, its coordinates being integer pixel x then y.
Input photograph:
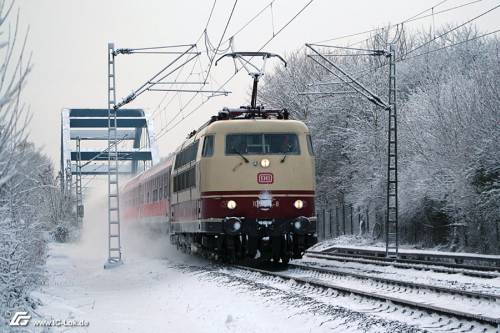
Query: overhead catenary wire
{"type": "Point", "coordinates": [424, 11]}
{"type": "Point", "coordinates": [139, 91]}
{"type": "Point", "coordinates": [158, 107]}
{"type": "Point", "coordinates": [196, 43]}
{"type": "Point", "coordinates": [451, 45]}
{"type": "Point", "coordinates": [220, 41]}
{"type": "Point", "coordinates": [170, 125]}
{"type": "Point", "coordinates": [210, 48]}
{"type": "Point", "coordinates": [443, 11]}
{"type": "Point", "coordinates": [411, 19]}
{"type": "Point", "coordinates": [215, 53]}
{"type": "Point", "coordinates": [210, 15]}
{"type": "Point", "coordinates": [259, 13]}
{"type": "Point", "coordinates": [372, 70]}
{"type": "Point", "coordinates": [415, 17]}
{"type": "Point", "coordinates": [454, 29]}
{"type": "Point", "coordinates": [168, 129]}
{"type": "Point", "coordinates": [160, 133]}
{"type": "Point", "coordinates": [404, 56]}
{"type": "Point", "coordinates": [351, 81]}
{"type": "Point", "coordinates": [251, 20]}
{"type": "Point", "coordinates": [342, 47]}
{"type": "Point", "coordinates": [368, 71]}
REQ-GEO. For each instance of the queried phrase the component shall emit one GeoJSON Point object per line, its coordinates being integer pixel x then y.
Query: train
{"type": "Point", "coordinates": [241, 187]}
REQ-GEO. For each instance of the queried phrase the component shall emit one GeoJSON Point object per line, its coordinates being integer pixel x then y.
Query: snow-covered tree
{"type": "Point", "coordinates": [448, 132]}
{"type": "Point", "coordinates": [27, 184]}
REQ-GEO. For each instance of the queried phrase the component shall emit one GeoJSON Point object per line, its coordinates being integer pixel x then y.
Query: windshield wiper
{"type": "Point", "coordinates": [243, 157]}
{"type": "Point", "coordinates": [284, 157]}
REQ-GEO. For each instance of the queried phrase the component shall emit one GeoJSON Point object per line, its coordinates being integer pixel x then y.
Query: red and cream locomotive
{"type": "Point", "coordinates": [240, 187]}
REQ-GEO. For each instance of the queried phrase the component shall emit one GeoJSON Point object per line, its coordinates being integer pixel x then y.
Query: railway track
{"type": "Point", "coordinates": [469, 311]}
{"type": "Point", "coordinates": [401, 283]}
{"type": "Point", "coordinates": [469, 270]}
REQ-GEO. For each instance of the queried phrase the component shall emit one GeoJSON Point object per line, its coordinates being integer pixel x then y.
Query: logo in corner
{"type": "Point", "coordinates": [265, 178]}
{"type": "Point", "coordinates": [20, 318]}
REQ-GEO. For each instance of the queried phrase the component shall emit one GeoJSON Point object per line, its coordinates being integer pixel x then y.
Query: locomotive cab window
{"type": "Point", "coordinates": [265, 143]}
{"type": "Point", "coordinates": [208, 146]}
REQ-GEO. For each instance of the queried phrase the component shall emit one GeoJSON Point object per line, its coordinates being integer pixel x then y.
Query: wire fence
{"type": "Point", "coordinates": [344, 219]}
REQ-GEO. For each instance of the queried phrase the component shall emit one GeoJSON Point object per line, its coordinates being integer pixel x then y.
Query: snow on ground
{"type": "Point", "coordinates": [161, 290]}
{"type": "Point", "coordinates": [152, 295]}
{"type": "Point", "coordinates": [344, 240]}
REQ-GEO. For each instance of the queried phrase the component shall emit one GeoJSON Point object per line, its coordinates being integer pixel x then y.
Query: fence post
{"type": "Point", "coordinates": [330, 222]}
{"type": "Point", "coordinates": [352, 230]}
{"type": "Point", "coordinates": [324, 223]}
{"type": "Point", "coordinates": [337, 226]}
{"type": "Point", "coordinates": [367, 222]}
{"type": "Point", "coordinates": [343, 218]}
{"type": "Point", "coordinates": [359, 222]}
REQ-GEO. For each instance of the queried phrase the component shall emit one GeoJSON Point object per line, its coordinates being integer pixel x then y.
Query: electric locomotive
{"type": "Point", "coordinates": [241, 187]}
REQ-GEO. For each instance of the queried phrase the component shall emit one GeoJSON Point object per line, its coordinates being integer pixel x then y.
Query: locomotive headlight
{"type": "Point", "coordinates": [298, 204]}
{"type": "Point", "coordinates": [231, 204]}
{"type": "Point", "coordinates": [264, 162]}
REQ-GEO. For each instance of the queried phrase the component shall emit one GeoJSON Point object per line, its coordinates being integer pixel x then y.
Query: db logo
{"type": "Point", "coordinates": [265, 178]}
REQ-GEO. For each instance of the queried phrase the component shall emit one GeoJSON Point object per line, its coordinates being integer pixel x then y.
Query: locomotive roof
{"type": "Point", "coordinates": [255, 125]}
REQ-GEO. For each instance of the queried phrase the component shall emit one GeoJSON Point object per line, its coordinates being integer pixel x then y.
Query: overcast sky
{"type": "Point", "coordinates": [69, 40]}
